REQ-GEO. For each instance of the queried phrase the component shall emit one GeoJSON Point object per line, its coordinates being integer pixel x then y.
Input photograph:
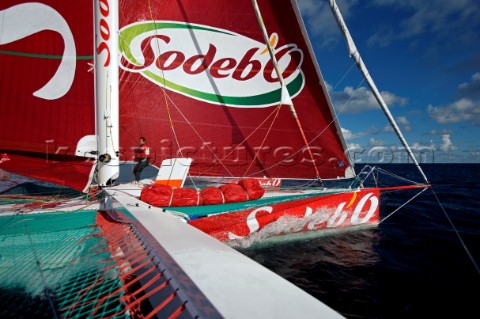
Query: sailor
{"type": "Point", "coordinates": [142, 157]}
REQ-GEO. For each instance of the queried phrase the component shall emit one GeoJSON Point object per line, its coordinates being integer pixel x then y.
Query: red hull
{"type": "Point", "coordinates": [311, 214]}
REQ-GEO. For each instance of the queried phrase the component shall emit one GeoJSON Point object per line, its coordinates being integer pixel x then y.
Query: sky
{"type": "Point", "coordinates": [424, 57]}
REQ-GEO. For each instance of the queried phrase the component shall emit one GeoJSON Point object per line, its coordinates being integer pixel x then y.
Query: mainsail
{"type": "Point", "coordinates": [46, 95]}
{"type": "Point", "coordinates": [196, 80]}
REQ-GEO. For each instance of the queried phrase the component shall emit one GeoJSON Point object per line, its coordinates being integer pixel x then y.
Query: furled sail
{"type": "Point", "coordinates": [46, 91]}
{"type": "Point", "coordinates": [197, 80]}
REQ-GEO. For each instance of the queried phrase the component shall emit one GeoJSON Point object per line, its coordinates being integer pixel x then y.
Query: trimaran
{"type": "Point", "coordinates": [226, 92]}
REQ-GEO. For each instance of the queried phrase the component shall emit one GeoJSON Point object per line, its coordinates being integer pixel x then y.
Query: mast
{"type": "Point", "coordinates": [285, 98]}
{"type": "Point", "coordinates": [106, 90]}
{"type": "Point", "coordinates": [362, 67]}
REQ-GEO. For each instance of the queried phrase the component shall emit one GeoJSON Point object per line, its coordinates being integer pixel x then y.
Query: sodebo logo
{"type": "Point", "coordinates": [209, 64]}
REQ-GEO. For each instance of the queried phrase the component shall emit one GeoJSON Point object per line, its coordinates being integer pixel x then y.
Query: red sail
{"type": "Point", "coordinates": [197, 81]}
{"type": "Point", "coordinates": [46, 92]}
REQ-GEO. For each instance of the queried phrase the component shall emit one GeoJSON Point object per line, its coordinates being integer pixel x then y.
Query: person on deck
{"type": "Point", "coordinates": [142, 157]}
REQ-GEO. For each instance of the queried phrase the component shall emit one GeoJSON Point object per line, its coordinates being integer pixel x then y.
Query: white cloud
{"type": "Point", "coordinates": [461, 110]}
{"type": "Point", "coordinates": [354, 146]}
{"type": "Point", "coordinates": [465, 109]}
{"type": "Point", "coordinates": [470, 89]}
{"type": "Point", "coordinates": [402, 122]}
{"type": "Point", "coordinates": [348, 135]}
{"type": "Point", "coordinates": [436, 132]}
{"type": "Point", "coordinates": [419, 146]}
{"type": "Point", "coordinates": [352, 100]}
{"type": "Point", "coordinates": [447, 144]}
{"type": "Point", "coordinates": [475, 155]}
{"type": "Point", "coordinates": [375, 142]}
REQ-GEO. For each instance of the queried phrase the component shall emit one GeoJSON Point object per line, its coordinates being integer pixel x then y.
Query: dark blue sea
{"type": "Point", "coordinates": [420, 262]}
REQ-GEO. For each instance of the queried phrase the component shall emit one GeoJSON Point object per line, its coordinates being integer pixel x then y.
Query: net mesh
{"type": "Point", "coordinates": [80, 265]}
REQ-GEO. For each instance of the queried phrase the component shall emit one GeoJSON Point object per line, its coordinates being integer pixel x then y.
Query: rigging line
{"type": "Point", "coordinates": [335, 117]}
{"type": "Point", "coordinates": [336, 114]}
{"type": "Point", "coordinates": [171, 121]}
{"type": "Point", "coordinates": [396, 176]}
{"type": "Point", "coordinates": [37, 260]}
{"type": "Point", "coordinates": [457, 233]}
{"type": "Point", "coordinates": [111, 126]}
{"type": "Point", "coordinates": [282, 83]}
{"type": "Point", "coordinates": [135, 109]}
{"type": "Point", "coordinates": [342, 78]}
{"type": "Point", "coordinates": [109, 115]}
{"type": "Point", "coordinates": [401, 206]}
{"type": "Point", "coordinates": [163, 77]}
{"type": "Point", "coordinates": [198, 134]}
{"type": "Point", "coordinates": [245, 139]}
{"type": "Point", "coordinates": [353, 51]}
{"type": "Point", "coordinates": [253, 132]}
{"type": "Point", "coordinates": [166, 97]}
{"type": "Point", "coordinates": [264, 139]}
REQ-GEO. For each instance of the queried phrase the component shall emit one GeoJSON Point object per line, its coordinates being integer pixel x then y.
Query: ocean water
{"type": "Point", "coordinates": [420, 262]}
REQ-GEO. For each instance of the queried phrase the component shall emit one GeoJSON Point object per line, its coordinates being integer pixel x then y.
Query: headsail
{"type": "Point", "coordinates": [197, 81]}
{"type": "Point", "coordinates": [46, 96]}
